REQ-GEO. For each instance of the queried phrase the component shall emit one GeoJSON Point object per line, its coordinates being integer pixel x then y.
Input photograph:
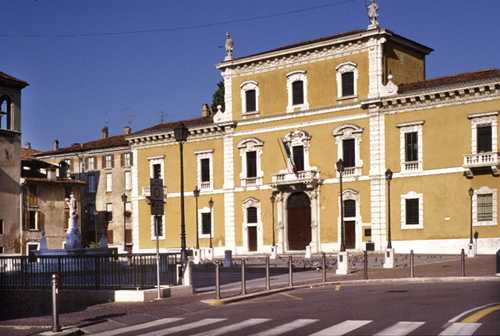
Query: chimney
{"type": "Point", "coordinates": [205, 110]}
{"type": "Point", "coordinates": [127, 130]}
{"type": "Point", "coordinates": [28, 145]}
{"type": "Point", "coordinates": [55, 145]}
{"type": "Point", "coordinates": [104, 132]}
{"type": "Point", "coordinates": [51, 174]}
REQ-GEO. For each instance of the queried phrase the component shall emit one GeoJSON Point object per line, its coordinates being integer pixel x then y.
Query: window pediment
{"type": "Point", "coordinates": [347, 131]}
{"type": "Point", "coordinates": [250, 143]}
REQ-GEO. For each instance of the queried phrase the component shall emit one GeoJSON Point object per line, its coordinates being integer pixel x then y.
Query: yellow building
{"type": "Point", "coordinates": [268, 160]}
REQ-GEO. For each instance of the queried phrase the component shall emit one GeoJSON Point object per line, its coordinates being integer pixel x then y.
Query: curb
{"type": "Point", "coordinates": [68, 331]}
{"type": "Point", "coordinates": [215, 302]}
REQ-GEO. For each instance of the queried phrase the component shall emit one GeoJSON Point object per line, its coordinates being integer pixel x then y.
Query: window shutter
{"type": "Point", "coordinates": [251, 102]}
{"type": "Point", "coordinates": [411, 146]}
{"type": "Point", "coordinates": [251, 164]}
{"type": "Point", "coordinates": [484, 143]}
{"type": "Point", "coordinates": [298, 92]}
{"type": "Point", "coordinates": [112, 160]}
{"type": "Point", "coordinates": [412, 216]}
{"type": "Point", "coordinates": [349, 208]}
{"type": "Point", "coordinates": [206, 225]}
{"type": "Point", "coordinates": [349, 155]}
{"type": "Point", "coordinates": [131, 158]}
{"type": "Point", "coordinates": [298, 157]}
{"type": "Point", "coordinates": [348, 84]}
{"type": "Point", "coordinates": [485, 207]}
{"type": "Point", "coordinates": [252, 215]}
{"type": "Point", "coordinates": [205, 170]}
{"type": "Point", "coordinates": [122, 160]}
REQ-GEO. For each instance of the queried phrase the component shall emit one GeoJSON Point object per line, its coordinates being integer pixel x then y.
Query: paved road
{"type": "Point", "coordinates": [423, 309]}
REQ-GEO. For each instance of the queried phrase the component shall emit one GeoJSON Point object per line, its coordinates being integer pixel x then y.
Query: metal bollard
{"type": "Point", "coordinates": [55, 314]}
{"type": "Point", "coordinates": [412, 264]}
{"type": "Point", "coordinates": [268, 277]}
{"type": "Point", "coordinates": [365, 265]}
{"type": "Point", "coordinates": [462, 262]}
{"type": "Point", "coordinates": [290, 271]}
{"type": "Point", "coordinates": [243, 277]}
{"type": "Point", "coordinates": [323, 266]}
{"type": "Point", "coordinates": [498, 263]}
{"type": "Point", "coordinates": [217, 280]}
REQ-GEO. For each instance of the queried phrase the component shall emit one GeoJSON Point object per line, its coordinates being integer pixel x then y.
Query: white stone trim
{"type": "Point", "coordinates": [157, 160]}
{"type": "Point", "coordinates": [417, 166]}
{"type": "Point", "coordinates": [341, 69]}
{"type": "Point", "coordinates": [412, 195]}
{"type": "Point", "coordinates": [445, 246]}
{"type": "Point", "coordinates": [135, 202]}
{"type": "Point", "coordinates": [290, 78]}
{"type": "Point", "coordinates": [346, 132]}
{"type": "Point", "coordinates": [244, 87]}
{"type": "Point", "coordinates": [375, 66]}
{"type": "Point", "coordinates": [482, 191]}
{"type": "Point", "coordinates": [299, 138]}
{"type": "Point", "coordinates": [481, 119]}
{"type": "Point", "coordinates": [250, 145]}
{"type": "Point", "coordinates": [152, 228]}
{"type": "Point", "coordinates": [207, 154]}
{"type": "Point", "coordinates": [229, 218]}
{"type": "Point", "coordinates": [200, 222]}
{"type": "Point", "coordinates": [247, 203]}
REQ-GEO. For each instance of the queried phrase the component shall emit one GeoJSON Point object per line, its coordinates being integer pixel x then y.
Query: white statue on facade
{"type": "Point", "coordinates": [229, 46]}
{"type": "Point", "coordinates": [73, 237]}
{"type": "Point", "coordinates": [373, 15]}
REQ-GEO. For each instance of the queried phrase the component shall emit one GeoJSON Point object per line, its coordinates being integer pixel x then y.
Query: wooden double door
{"type": "Point", "coordinates": [350, 234]}
{"type": "Point", "coordinates": [299, 221]}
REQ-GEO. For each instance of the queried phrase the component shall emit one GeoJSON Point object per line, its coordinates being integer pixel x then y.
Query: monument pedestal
{"type": "Point", "coordinates": [308, 252]}
{"type": "Point", "coordinates": [342, 263]}
{"type": "Point", "coordinates": [389, 258]}
{"type": "Point", "coordinates": [471, 250]}
{"type": "Point", "coordinates": [274, 252]}
{"type": "Point", "coordinates": [196, 256]}
{"type": "Point", "coordinates": [209, 253]}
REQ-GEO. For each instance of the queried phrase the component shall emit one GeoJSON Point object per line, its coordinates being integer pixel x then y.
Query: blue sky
{"type": "Point", "coordinates": [82, 78]}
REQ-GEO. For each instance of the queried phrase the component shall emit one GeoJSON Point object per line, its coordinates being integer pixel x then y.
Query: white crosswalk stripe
{"type": "Point", "coordinates": [284, 328]}
{"type": "Point", "coordinates": [136, 327]}
{"type": "Point", "coordinates": [233, 327]}
{"type": "Point", "coordinates": [400, 329]}
{"type": "Point", "coordinates": [184, 327]}
{"type": "Point", "coordinates": [341, 328]}
{"type": "Point", "coordinates": [460, 329]}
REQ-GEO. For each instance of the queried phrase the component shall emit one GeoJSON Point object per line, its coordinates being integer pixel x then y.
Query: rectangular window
{"type": "Point", "coordinates": [205, 170]}
{"type": "Point", "coordinates": [110, 236]}
{"type": "Point", "coordinates": [92, 184]}
{"type": "Point", "coordinates": [298, 92]}
{"type": "Point", "coordinates": [252, 215]}
{"type": "Point", "coordinates": [109, 212]}
{"type": "Point", "coordinates": [108, 161]}
{"type": "Point", "coordinates": [32, 220]}
{"type": "Point", "coordinates": [411, 146]}
{"type": "Point", "coordinates": [251, 102]}
{"type": "Point", "coordinates": [128, 180]}
{"type": "Point", "coordinates": [348, 153]}
{"type": "Point", "coordinates": [349, 208]}
{"type": "Point", "coordinates": [412, 214]}
{"type": "Point", "coordinates": [157, 170]}
{"type": "Point", "coordinates": [69, 166]}
{"type": "Point", "coordinates": [348, 84]}
{"type": "Point", "coordinates": [126, 160]}
{"type": "Point", "coordinates": [109, 182]}
{"type": "Point", "coordinates": [485, 207]}
{"type": "Point", "coordinates": [32, 248]}
{"type": "Point", "coordinates": [368, 232]}
{"type": "Point", "coordinates": [206, 223]}
{"type": "Point", "coordinates": [298, 157]}
{"type": "Point", "coordinates": [484, 139]}
{"type": "Point", "coordinates": [1, 226]}
{"type": "Point", "coordinates": [251, 164]}
{"type": "Point", "coordinates": [91, 163]}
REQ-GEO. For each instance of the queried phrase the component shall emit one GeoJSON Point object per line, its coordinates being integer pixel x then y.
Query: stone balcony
{"type": "Point", "coordinates": [482, 160]}
{"type": "Point", "coordinates": [307, 177]}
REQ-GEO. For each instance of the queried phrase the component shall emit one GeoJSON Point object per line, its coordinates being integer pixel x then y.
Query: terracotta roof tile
{"type": "Point", "coordinates": [109, 142]}
{"type": "Point", "coordinates": [165, 127]}
{"type": "Point", "coordinates": [28, 153]}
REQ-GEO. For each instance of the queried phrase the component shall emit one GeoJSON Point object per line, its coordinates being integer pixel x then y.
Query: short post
{"type": "Point", "coordinates": [290, 271]}
{"type": "Point", "coordinates": [55, 314]}
{"type": "Point", "coordinates": [365, 264]}
{"type": "Point", "coordinates": [243, 277]}
{"type": "Point", "coordinates": [412, 264]}
{"type": "Point", "coordinates": [323, 266]}
{"type": "Point", "coordinates": [268, 277]}
{"type": "Point", "coordinates": [217, 280]}
{"type": "Point", "coordinates": [462, 262]}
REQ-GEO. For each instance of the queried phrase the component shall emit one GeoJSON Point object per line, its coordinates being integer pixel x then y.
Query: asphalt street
{"type": "Point", "coordinates": [398, 309]}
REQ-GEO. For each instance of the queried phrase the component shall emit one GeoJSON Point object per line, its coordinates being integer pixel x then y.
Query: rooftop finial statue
{"type": "Point", "coordinates": [373, 15]}
{"type": "Point", "coordinates": [229, 47]}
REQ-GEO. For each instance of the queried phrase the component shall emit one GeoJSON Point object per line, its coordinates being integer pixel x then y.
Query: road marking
{"type": "Point", "coordinates": [183, 327]}
{"type": "Point", "coordinates": [400, 329]}
{"type": "Point", "coordinates": [284, 328]}
{"type": "Point", "coordinates": [136, 327]}
{"type": "Point", "coordinates": [341, 328]}
{"type": "Point", "coordinates": [458, 317]}
{"type": "Point", "coordinates": [292, 296]}
{"type": "Point", "coordinates": [460, 329]}
{"type": "Point", "coordinates": [232, 327]}
{"type": "Point", "coordinates": [480, 314]}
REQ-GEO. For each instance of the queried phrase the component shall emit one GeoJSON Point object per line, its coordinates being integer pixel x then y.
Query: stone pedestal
{"type": "Point", "coordinates": [209, 254]}
{"type": "Point", "coordinates": [196, 256]}
{"type": "Point", "coordinates": [389, 258]}
{"type": "Point", "coordinates": [342, 264]}
{"type": "Point", "coordinates": [308, 252]}
{"type": "Point", "coordinates": [471, 250]}
{"type": "Point", "coordinates": [274, 252]}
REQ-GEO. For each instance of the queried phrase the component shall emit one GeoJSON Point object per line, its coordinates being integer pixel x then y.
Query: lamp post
{"type": "Point", "coordinates": [471, 194]}
{"type": "Point", "coordinates": [124, 200]}
{"type": "Point", "coordinates": [196, 193]}
{"type": "Point", "coordinates": [340, 169]}
{"type": "Point", "coordinates": [388, 178]}
{"type": "Point", "coordinates": [211, 205]}
{"type": "Point", "coordinates": [273, 199]}
{"type": "Point", "coordinates": [181, 134]}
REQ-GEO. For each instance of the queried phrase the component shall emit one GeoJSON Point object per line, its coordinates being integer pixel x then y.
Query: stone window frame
{"type": "Point", "coordinates": [157, 160]}
{"type": "Point", "coordinates": [341, 69]}
{"type": "Point", "coordinates": [108, 161]}
{"type": "Point", "coordinates": [127, 180]}
{"type": "Point", "coordinates": [37, 220]}
{"type": "Point", "coordinates": [479, 119]}
{"type": "Point", "coordinates": [412, 195]}
{"type": "Point", "coordinates": [290, 78]}
{"type": "Point", "coordinates": [244, 87]}
{"type": "Point", "coordinates": [32, 243]}
{"type": "Point", "coordinates": [152, 228]}
{"type": "Point", "coordinates": [248, 203]}
{"type": "Point", "coordinates": [346, 132]}
{"type": "Point", "coordinates": [250, 145]}
{"type": "Point", "coordinates": [411, 127]}
{"type": "Point", "coordinates": [109, 182]}
{"type": "Point", "coordinates": [9, 124]}
{"type": "Point", "coordinates": [482, 191]}
{"type": "Point", "coordinates": [201, 211]}
{"type": "Point", "coordinates": [299, 138]}
{"type": "Point", "coordinates": [205, 154]}
{"type": "Point", "coordinates": [91, 163]}
{"type": "Point", "coordinates": [351, 194]}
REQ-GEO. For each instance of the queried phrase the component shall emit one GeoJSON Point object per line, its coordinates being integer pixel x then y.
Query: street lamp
{"type": "Point", "coordinates": [196, 193]}
{"type": "Point", "coordinates": [211, 205]}
{"type": "Point", "coordinates": [471, 194]}
{"type": "Point", "coordinates": [181, 134]}
{"type": "Point", "coordinates": [124, 200]}
{"type": "Point", "coordinates": [340, 169]}
{"type": "Point", "coordinates": [388, 178]}
{"type": "Point", "coordinates": [273, 199]}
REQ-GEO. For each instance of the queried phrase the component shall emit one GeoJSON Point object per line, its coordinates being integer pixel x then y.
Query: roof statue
{"type": "Point", "coordinates": [373, 15]}
{"type": "Point", "coordinates": [229, 48]}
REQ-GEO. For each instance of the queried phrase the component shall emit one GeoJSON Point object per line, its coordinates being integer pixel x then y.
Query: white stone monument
{"type": "Point", "coordinates": [342, 263]}
{"type": "Point", "coordinates": [389, 258]}
{"type": "Point", "coordinates": [73, 236]}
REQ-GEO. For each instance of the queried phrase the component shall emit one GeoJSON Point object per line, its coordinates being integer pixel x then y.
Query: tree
{"type": "Point", "coordinates": [218, 97]}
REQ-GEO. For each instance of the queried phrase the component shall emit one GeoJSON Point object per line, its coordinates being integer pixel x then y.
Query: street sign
{"type": "Point", "coordinates": [156, 196]}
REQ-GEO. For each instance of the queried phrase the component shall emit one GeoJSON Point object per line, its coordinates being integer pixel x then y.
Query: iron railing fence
{"type": "Point", "coordinates": [120, 271]}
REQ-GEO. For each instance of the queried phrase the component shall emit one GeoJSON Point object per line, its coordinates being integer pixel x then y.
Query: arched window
{"type": "Point", "coordinates": [348, 139]}
{"type": "Point", "coordinates": [297, 91]}
{"type": "Point", "coordinates": [249, 97]}
{"type": "Point", "coordinates": [5, 115]}
{"type": "Point", "coordinates": [252, 226]}
{"type": "Point", "coordinates": [251, 166]}
{"type": "Point", "coordinates": [347, 80]}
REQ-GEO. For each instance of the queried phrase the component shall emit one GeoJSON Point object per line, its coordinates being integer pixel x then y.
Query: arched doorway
{"type": "Point", "coordinates": [299, 221]}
